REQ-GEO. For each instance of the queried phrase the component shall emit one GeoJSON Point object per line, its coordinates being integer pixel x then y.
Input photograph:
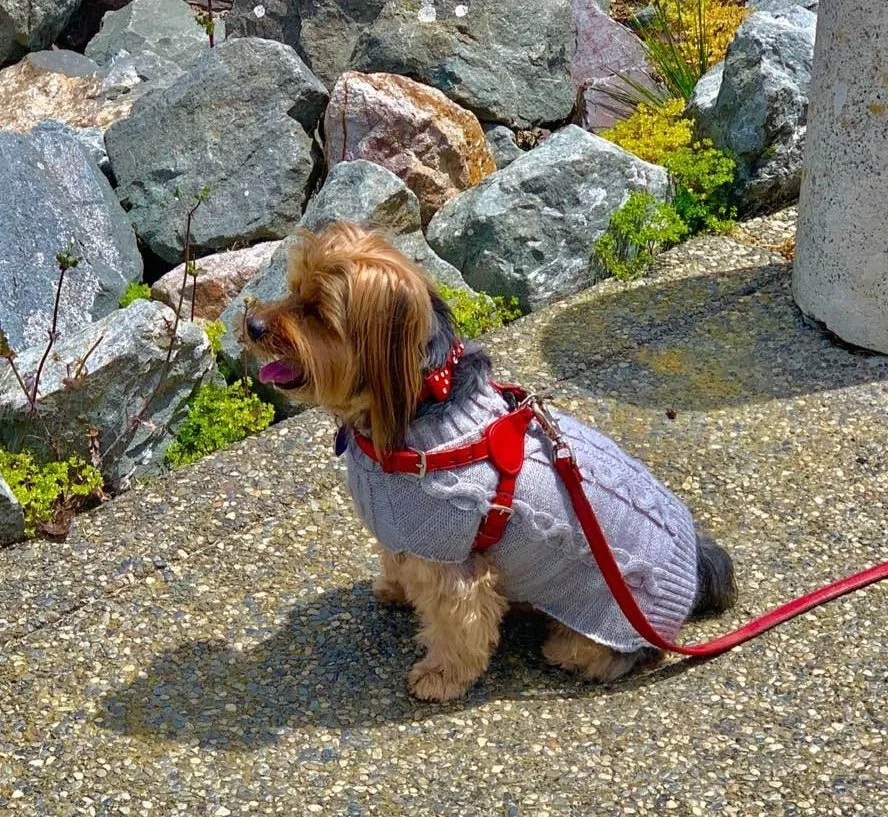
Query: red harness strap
{"type": "Point", "coordinates": [502, 442]}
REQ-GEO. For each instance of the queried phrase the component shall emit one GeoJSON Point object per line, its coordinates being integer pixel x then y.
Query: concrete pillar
{"type": "Point", "coordinates": [841, 267]}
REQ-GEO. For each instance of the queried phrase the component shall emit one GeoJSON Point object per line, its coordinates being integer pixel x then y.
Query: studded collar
{"type": "Point", "coordinates": [439, 382]}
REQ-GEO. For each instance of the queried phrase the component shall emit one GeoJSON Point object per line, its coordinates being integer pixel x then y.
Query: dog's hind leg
{"type": "Point", "coordinates": [460, 612]}
{"type": "Point", "coordinates": [570, 650]}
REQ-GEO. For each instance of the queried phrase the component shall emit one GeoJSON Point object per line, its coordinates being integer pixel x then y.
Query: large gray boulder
{"type": "Point", "coordinates": [761, 110]}
{"type": "Point", "coordinates": [506, 65]}
{"type": "Point", "coordinates": [31, 25]}
{"type": "Point", "coordinates": [237, 123]}
{"type": "Point", "coordinates": [705, 94]}
{"type": "Point", "coordinates": [53, 194]}
{"type": "Point", "coordinates": [126, 404]}
{"type": "Point", "coordinates": [12, 516]}
{"type": "Point", "coordinates": [361, 192]}
{"type": "Point", "coordinates": [782, 5]}
{"type": "Point", "coordinates": [528, 230]}
{"type": "Point", "coordinates": [323, 32]}
{"type": "Point", "coordinates": [162, 37]}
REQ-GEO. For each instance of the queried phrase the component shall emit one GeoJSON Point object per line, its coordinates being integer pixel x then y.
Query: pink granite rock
{"type": "Point", "coordinates": [605, 49]}
{"type": "Point", "coordinates": [220, 278]}
{"type": "Point", "coordinates": [436, 147]}
{"type": "Point", "coordinates": [60, 85]}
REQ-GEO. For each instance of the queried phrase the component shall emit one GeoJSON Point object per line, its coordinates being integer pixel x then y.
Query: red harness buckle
{"type": "Point", "coordinates": [502, 442]}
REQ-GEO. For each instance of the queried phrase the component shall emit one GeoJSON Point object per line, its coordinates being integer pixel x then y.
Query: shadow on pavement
{"type": "Point", "coordinates": [702, 343]}
{"type": "Point", "coordinates": [339, 662]}
{"type": "Point", "coordinates": [341, 667]}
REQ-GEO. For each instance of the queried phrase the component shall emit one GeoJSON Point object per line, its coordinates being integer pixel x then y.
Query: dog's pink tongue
{"type": "Point", "coordinates": [280, 371]}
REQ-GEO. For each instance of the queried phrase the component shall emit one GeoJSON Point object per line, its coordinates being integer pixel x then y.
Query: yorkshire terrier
{"type": "Point", "coordinates": [365, 334]}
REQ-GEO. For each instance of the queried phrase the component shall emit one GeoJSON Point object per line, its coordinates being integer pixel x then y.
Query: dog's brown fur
{"type": "Point", "coordinates": [357, 320]}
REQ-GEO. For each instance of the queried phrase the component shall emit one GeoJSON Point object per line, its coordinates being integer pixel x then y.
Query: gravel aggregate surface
{"type": "Point", "coordinates": [208, 643]}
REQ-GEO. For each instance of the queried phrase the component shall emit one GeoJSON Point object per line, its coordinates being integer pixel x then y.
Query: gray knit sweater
{"type": "Point", "coordinates": [543, 556]}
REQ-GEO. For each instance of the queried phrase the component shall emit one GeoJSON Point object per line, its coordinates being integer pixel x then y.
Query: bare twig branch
{"type": "Point", "coordinates": [65, 261]}
{"type": "Point", "coordinates": [9, 355]}
{"type": "Point", "coordinates": [82, 362]}
{"type": "Point", "coordinates": [173, 328]}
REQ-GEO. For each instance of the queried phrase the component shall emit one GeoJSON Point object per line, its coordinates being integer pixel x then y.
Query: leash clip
{"type": "Point", "coordinates": [550, 425]}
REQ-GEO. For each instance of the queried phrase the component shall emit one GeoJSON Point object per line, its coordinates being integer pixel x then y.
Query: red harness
{"type": "Point", "coordinates": [502, 442]}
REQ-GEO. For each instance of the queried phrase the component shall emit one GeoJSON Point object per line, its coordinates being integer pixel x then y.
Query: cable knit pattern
{"type": "Point", "coordinates": [543, 557]}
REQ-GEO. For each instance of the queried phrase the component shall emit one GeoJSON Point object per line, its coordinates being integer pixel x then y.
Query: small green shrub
{"type": "Point", "coordinates": [218, 416]}
{"type": "Point", "coordinates": [702, 173]}
{"type": "Point", "coordinates": [653, 133]}
{"type": "Point", "coordinates": [45, 490]}
{"type": "Point", "coordinates": [476, 314]}
{"type": "Point", "coordinates": [703, 176]}
{"type": "Point", "coordinates": [637, 232]}
{"type": "Point", "coordinates": [215, 331]}
{"type": "Point", "coordinates": [134, 292]}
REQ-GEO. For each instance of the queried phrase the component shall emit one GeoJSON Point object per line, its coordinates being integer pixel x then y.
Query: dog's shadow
{"type": "Point", "coordinates": [339, 662]}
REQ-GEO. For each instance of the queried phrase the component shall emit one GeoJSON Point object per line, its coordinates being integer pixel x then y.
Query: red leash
{"type": "Point", "coordinates": [503, 444]}
{"type": "Point", "coordinates": [567, 468]}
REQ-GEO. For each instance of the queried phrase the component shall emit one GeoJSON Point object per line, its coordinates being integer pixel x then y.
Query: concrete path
{"type": "Point", "coordinates": [209, 645]}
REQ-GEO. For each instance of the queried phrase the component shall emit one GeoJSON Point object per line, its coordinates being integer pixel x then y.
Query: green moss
{"type": "Point", "coordinates": [476, 314]}
{"type": "Point", "coordinates": [46, 489]}
{"type": "Point", "coordinates": [134, 292]}
{"type": "Point", "coordinates": [637, 232]}
{"type": "Point", "coordinates": [217, 417]}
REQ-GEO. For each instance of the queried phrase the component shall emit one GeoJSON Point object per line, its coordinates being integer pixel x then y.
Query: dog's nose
{"type": "Point", "coordinates": [255, 328]}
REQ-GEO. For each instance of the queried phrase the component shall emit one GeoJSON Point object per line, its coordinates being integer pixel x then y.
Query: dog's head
{"type": "Point", "coordinates": [352, 333]}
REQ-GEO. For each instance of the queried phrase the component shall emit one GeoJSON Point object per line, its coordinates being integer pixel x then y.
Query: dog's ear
{"type": "Point", "coordinates": [391, 319]}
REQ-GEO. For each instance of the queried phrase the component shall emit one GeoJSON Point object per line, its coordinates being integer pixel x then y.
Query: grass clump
{"type": "Point", "coordinates": [640, 229]}
{"type": "Point", "coordinates": [713, 22]}
{"type": "Point", "coordinates": [218, 416]}
{"type": "Point", "coordinates": [49, 492]}
{"type": "Point", "coordinates": [683, 39]}
{"type": "Point", "coordinates": [479, 313]}
{"type": "Point", "coordinates": [135, 291]}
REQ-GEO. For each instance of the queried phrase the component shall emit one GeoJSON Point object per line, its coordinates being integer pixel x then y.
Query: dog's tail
{"type": "Point", "coordinates": [716, 587]}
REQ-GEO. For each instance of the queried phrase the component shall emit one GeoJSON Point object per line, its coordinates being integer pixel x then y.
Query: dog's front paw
{"type": "Point", "coordinates": [429, 681]}
{"type": "Point", "coordinates": [389, 592]}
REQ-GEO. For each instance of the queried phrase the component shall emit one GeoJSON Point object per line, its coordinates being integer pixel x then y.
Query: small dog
{"type": "Point", "coordinates": [361, 333]}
